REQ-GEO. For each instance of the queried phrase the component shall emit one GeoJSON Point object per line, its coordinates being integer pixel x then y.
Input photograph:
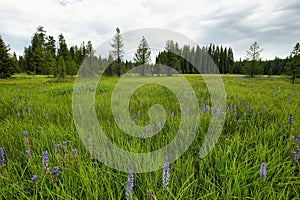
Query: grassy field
{"type": "Point", "coordinates": [256, 130]}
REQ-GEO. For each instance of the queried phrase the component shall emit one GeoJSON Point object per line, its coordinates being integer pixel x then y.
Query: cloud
{"type": "Point", "coordinates": [274, 24]}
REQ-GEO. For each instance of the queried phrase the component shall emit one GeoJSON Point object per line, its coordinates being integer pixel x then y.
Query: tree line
{"type": "Point", "coordinates": [46, 56]}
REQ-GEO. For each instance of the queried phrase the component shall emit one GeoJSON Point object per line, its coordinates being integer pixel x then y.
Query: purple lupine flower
{"type": "Point", "coordinates": [245, 115]}
{"type": "Point", "coordinates": [299, 104]}
{"type": "Point", "coordinates": [234, 106]}
{"type": "Point", "coordinates": [139, 113]}
{"type": "Point", "coordinates": [150, 195]}
{"type": "Point", "coordinates": [74, 151]}
{"type": "Point", "coordinates": [28, 108]}
{"type": "Point", "coordinates": [55, 171]}
{"type": "Point", "coordinates": [290, 120]}
{"type": "Point", "coordinates": [45, 160]}
{"type": "Point", "coordinates": [263, 171]}
{"type": "Point", "coordinates": [289, 100]}
{"type": "Point", "coordinates": [239, 121]}
{"type": "Point", "coordinates": [147, 129]}
{"type": "Point", "coordinates": [133, 117]}
{"type": "Point", "coordinates": [235, 114]}
{"type": "Point", "coordinates": [25, 134]}
{"type": "Point", "coordinates": [57, 147]}
{"type": "Point", "coordinates": [297, 139]}
{"type": "Point", "coordinates": [65, 143]}
{"type": "Point", "coordinates": [245, 104]}
{"type": "Point", "coordinates": [279, 126]}
{"type": "Point", "coordinates": [230, 108]}
{"type": "Point", "coordinates": [203, 108]}
{"type": "Point", "coordinates": [2, 156]}
{"type": "Point", "coordinates": [34, 178]}
{"type": "Point", "coordinates": [207, 108]}
{"type": "Point", "coordinates": [166, 174]}
{"type": "Point", "coordinates": [187, 111]}
{"type": "Point", "coordinates": [28, 153]}
{"type": "Point", "coordinates": [130, 182]}
{"type": "Point", "coordinates": [15, 102]}
{"type": "Point", "coordinates": [295, 156]}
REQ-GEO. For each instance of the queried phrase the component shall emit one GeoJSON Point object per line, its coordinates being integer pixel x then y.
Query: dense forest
{"type": "Point", "coordinates": [46, 56]}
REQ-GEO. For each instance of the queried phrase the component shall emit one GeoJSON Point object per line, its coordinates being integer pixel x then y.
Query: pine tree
{"type": "Point", "coordinates": [253, 55]}
{"type": "Point", "coordinates": [7, 67]}
{"type": "Point", "coordinates": [293, 66]}
{"type": "Point", "coordinates": [117, 52]}
{"type": "Point", "coordinates": [142, 55]}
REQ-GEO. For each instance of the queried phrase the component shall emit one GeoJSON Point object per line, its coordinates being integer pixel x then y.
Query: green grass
{"type": "Point", "coordinates": [229, 171]}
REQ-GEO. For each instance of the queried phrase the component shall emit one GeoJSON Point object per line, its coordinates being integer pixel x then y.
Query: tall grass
{"type": "Point", "coordinates": [229, 171]}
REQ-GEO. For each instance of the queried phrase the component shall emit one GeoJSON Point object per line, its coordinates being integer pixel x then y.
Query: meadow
{"type": "Point", "coordinates": [261, 116]}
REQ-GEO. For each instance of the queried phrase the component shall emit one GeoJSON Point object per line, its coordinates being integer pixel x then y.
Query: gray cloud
{"type": "Point", "coordinates": [274, 24]}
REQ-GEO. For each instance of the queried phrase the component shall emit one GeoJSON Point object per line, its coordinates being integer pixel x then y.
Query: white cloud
{"type": "Point", "coordinates": [236, 23]}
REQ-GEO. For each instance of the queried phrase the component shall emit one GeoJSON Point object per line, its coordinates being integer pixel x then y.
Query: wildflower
{"type": "Point", "coordinates": [229, 117]}
{"type": "Point", "coordinates": [172, 114]}
{"type": "Point", "coordinates": [146, 128]}
{"type": "Point", "coordinates": [297, 139]}
{"type": "Point", "coordinates": [239, 121]}
{"type": "Point", "coordinates": [139, 113]}
{"type": "Point", "coordinates": [47, 114]}
{"type": "Point", "coordinates": [133, 117]}
{"type": "Point", "coordinates": [65, 143]}
{"type": "Point", "coordinates": [245, 104]}
{"type": "Point", "coordinates": [57, 146]}
{"type": "Point", "coordinates": [166, 174]}
{"type": "Point", "coordinates": [150, 196]}
{"type": "Point", "coordinates": [2, 156]}
{"type": "Point", "coordinates": [74, 151]}
{"type": "Point", "coordinates": [235, 114]}
{"type": "Point", "coordinates": [45, 160]}
{"type": "Point", "coordinates": [290, 120]}
{"type": "Point", "coordinates": [279, 126]}
{"type": "Point", "coordinates": [263, 171]}
{"type": "Point", "coordinates": [234, 106]}
{"type": "Point", "coordinates": [230, 108]}
{"type": "Point", "coordinates": [245, 115]}
{"type": "Point", "coordinates": [129, 185]}
{"type": "Point", "coordinates": [55, 171]}
{"type": "Point", "coordinates": [28, 153]}
{"type": "Point", "coordinates": [34, 178]}
{"type": "Point", "coordinates": [218, 110]}
{"type": "Point", "coordinates": [187, 111]}
{"type": "Point", "coordinates": [25, 134]}
{"type": "Point", "coordinates": [295, 156]}
{"type": "Point", "coordinates": [28, 108]}
{"type": "Point", "coordinates": [15, 102]}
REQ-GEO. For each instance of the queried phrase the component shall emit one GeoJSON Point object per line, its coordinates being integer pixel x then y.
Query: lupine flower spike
{"type": "Point", "coordinates": [166, 174]}
{"type": "Point", "coordinates": [263, 171]}
{"type": "Point", "coordinates": [150, 195]}
{"type": "Point", "coordinates": [65, 144]}
{"type": "Point", "coordinates": [2, 157]}
{"type": "Point", "coordinates": [25, 134]}
{"type": "Point", "coordinates": [129, 185]}
{"type": "Point", "coordinates": [57, 147]}
{"type": "Point", "coordinates": [74, 151]}
{"type": "Point", "coordinates": [54, 174]}
{"type": "Point", "coordinates": [45, 162]}
{"type": "Point", "coordinates": [34, 180]}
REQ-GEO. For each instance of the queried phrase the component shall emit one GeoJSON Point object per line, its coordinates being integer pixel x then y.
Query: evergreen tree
{"type": "Point", "coordinates": [7, 66]}
{"type": "Point", "coordinates": [253, 55]}
{"type": "Point", "coordinates": [61, 68]}
{"type": "Point", "coordinates": [293, 67]}
{"type": "Point", "coordinates": [142, 55]}
{"type": "Point", "coordinates": [117, 52]}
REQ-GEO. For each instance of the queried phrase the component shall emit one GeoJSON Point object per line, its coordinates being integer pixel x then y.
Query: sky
{"type": "Point", "coordinates": [274, 24]}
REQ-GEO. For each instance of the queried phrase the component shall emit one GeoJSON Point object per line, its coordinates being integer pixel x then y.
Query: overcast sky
{"type": "Point", "coordinates": [274, 24]}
